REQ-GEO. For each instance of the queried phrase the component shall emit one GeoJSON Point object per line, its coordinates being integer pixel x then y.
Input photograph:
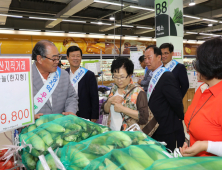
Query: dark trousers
{"type": "Point", "coordinates": [180, 137]}
{"type": "Point", "coordinates": [170, 140]}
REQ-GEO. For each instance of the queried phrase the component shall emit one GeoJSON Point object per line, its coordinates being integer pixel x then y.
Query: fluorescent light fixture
{"type": "Point", "coordinates": [131, 36]}
{"type": "Point", "coordinates": [112, 18]}
{"type": "Point", "coordinates": [191, 32]}
{"type": "Point", "coordinates": [210, 25]}
{"type": "Point", "coordinates": [211, 20]}
{"type": "Point", "coordinates": [54, 31]}
{"type": "Point", "coordinates": [100, 23]}
{"type": "Point", "coordinates": [42, 18]}
{"type": "Point", "coordinates": [192, 4]}
{"type": "Point", "coordinates": [145, 37]}
{"type": "Point", "coordinates": [74, 21]}
{"type": "Point", "coordinates": [6, 28]}
{"type": "Point", "coordinates": [144, 27]}
{"type": "Point", "coordinates": [220, 22]}
{"type": "Point", "coordinates": [106, 2]}
{"type": "Point", "coordinates": [77, 33]}
{"type": "Point", "coordinates": [192, 40]}
{"type": "Point", "coordinates": [216, 35]}
{"type": "Point", "coordinates": [124, 25]}
{"type": "Point", "coordinates": [7, 15]}
{"type": "Point", "coordinates": [95, 34]}
{"type": "Point", "coordinates": [191, 17]}
{"type": "Point", "coordinates": [29, 30]}
{"type": "Point", "coordinates": [205, 34]}
{"type": "Point", "coordinates": [137, 7]}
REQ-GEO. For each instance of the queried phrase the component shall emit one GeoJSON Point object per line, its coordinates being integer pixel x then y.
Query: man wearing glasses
{"type": "Point", "coordinates": [180, 73]}
{"type": "Point", "coordinates": [52, 90]}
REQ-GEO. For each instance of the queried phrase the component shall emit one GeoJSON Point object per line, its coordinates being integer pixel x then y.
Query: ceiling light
{"type": "Point", "coordinates": [112, 18]}
{"type": "Point", "coordinates": [205, 19]}
{"type": "Point", "coordinates": [220, 22]}
{"type": "Point", "coordinates": [74, 21]}
{"type": "Point", "coordinates": [145, 37]}
{"type": "Point", "coordinates": [100, 23]}
{"type": "Point", "coordinates": [192, 40]}
{"type": "Point", "coordinates": [137, 7]}
{"type": "Point", "coordinates": [77, 33]}
{"type": "Point", "coordinates": [191, 32]}
{"type": "Point", "coordinates": [54, 31]}
{"type": "Point", "coordinates": [205, 34]}
{"type": "Point", "coordinates": [42, 18]}
{"type": "Point", "coordinates": [29, 30]}
{"type": "Point", "coordinates": [144, 27]}
{"type": "Point", "coordinates": [106, 2]}
{"type": "Point", "coordinates": [210, 25]}
{"type": "Point", "coordinates": [124, 25]}
{"type": "Point", "coordinates": [192, 3]}
{"type": "Point", "coordinates": [7, 15]}
{"type": "Point", "coordinates": [6, 28]}
{"type": "Point", "coordinates": [191, 17]}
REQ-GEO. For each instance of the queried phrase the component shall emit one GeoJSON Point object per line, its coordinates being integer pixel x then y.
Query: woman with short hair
{"type": "Point", "coordinates": [203, 118]}
{"type": "Point", "coordinates": [127, 102]}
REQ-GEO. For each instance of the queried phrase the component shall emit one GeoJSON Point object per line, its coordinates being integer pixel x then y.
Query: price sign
{"type": "Point", "coordinates": [134, 56]}
{"type": "Point", "coordinates": [16, 101]}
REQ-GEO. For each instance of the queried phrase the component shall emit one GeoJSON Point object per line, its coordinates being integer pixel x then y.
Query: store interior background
{"type": "Point", "coordinates": [95, 26]}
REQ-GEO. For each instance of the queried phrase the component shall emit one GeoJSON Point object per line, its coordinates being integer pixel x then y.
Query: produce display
{"type": "Point", "coordinates": [55, 132]}
{"type": "Point", "coordinates": [79, 155]}
{"type": "Point", "coordinates": [188, 163]}
{"type": "Point", "coordinates": [137, 157]}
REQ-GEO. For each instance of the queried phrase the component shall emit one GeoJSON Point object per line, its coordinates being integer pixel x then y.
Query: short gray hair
{"type": "Point", "coordinates": [40, 48]}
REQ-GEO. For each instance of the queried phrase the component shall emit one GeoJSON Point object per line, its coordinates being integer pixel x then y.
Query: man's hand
{"type": "Point", "coordinates": [196, 148]}
{"type": "Point", "coordinates": [93, 120]}
{"type": "Point", "coordinates": [68, 113]}
{"type": "Point", "coordinates": [139, 82]}
{"type": "Point", "coordinates": [37, 116]}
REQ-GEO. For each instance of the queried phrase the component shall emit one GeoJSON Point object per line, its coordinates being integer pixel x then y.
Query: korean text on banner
{"type": "Point", "coordinates": [16, 91]}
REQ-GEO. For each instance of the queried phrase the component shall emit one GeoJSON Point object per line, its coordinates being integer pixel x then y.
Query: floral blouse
{"type": "Point", "coordinates": [130, 101]}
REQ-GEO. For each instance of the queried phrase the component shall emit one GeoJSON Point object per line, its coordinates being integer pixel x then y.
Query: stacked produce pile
{"type": "Point", "coordinates": [137, 157]}
{"type": "Point", "coordinates": [55, 131]}
{"type": "Point", "coordinates": [79, 155]}
{"type": "Point", "coordinates": [188, 163]}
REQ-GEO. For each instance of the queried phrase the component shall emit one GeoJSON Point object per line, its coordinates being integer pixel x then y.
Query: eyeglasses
{"type": "Point", "coordinates": [119, 78]}
{"type": "Point", "coordinates": [54, 58]}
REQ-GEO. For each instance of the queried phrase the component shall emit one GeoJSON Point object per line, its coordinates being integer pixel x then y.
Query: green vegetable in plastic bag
{"type": "Point", "coordinates": [188, 163]}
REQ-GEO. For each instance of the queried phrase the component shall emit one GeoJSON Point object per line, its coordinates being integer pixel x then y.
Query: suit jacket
{"type": "Point", "coordinates": [88, 96]}
{"type": "Point", "coordinates": [145, 82]}
{"type": "Point", "coordinates": [64, 98]}
{"type": "Point", "coordinates": [180, 73]}
{"type": "Point", "coordinates": [166, 103]}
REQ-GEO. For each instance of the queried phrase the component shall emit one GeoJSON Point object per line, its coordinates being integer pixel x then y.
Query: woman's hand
{"type": "Point", "coordinates": [196, 148]}
{"type": "Point", "coordinates": [118, 107]}
{"type": "Point", "coordinates": [116, 99]}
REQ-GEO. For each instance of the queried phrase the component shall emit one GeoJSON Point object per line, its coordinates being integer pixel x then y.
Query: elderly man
{"type": "Point", "coordinates": [52, 89]}
{"type": "Point", "coordinates": [164, 97]}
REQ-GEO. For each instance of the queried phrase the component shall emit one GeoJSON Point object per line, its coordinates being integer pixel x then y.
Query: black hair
{"type": "Point", "coordinates": [141, 59]}
{"type": "Point", "coordinates": [167, 45]}
{"type": "Point", "coordinates": [209, 59]}
{"type": "Point", "coordinates": [122, 62]}
{"type": "Point", "coordinates": [73, 48]}
{"type": "Point", "coordinates": [40, 49]}
{"type": "Point", "coordinates": [156, 50]}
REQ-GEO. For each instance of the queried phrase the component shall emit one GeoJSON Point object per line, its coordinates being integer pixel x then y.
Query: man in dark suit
{"type": "Point", "coordinates": [86, 88]}
{"type": "Point", "coordinates": [180, 74]}
{"type": "Point", "coordinates": [164, 98]}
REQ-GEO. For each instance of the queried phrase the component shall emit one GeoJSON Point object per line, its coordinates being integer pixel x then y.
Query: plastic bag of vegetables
{"type": "Point", "coordinates": [79, 155]}
{"type": "Point", "coordinates": [137, 157]}
{"type": "Point", "coordinates": [187, 163]}
{"type": "Point", "coordinates": [58, 133]}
